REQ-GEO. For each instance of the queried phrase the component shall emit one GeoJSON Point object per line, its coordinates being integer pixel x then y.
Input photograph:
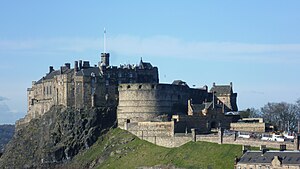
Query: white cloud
{"type": "Point", "coordinates": [162, 46]}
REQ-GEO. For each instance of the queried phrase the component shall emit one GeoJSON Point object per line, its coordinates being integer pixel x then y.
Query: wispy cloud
{"type": "Point", "coordinates": [162, 46]}
{"type": "Point", "coordinates": [3, 98]}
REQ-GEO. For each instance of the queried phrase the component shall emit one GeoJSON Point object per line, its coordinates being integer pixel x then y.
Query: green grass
{"type": "Point", "coordinates": [120, 149]}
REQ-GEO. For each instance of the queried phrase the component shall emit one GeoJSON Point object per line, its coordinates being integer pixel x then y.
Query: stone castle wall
{"type": "Point", "coordinates": [147, 102]}
{"type": "Point", "coordinates": [250, 127]}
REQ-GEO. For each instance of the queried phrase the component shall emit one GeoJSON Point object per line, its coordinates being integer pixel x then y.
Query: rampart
{"type": "Point", "coordinates": [152, 102]}
{"type": "Point", "coordinates": [159, 133]}
{"type": "Point", "coordinates": [162, 134]}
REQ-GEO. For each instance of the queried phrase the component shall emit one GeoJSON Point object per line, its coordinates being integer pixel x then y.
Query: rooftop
{"type": "Point", "coordinates": [260, 157]}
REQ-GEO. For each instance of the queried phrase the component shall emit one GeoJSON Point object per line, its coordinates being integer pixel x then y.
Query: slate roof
{"type": "Point", "coordinates": [200, 107]}
{"type": "Point", "coordinates": [257, 157]}
{"type": "Point", "coordinates": [179, 82]}
{"type": "Point", "coordinates": [145, 65]}
{"type": "Point", "coordinates": [221, 89]}
{"type": "Point", "coordinates": [54, 73]}
{"type": "Point", "coordinates": [89, 71]}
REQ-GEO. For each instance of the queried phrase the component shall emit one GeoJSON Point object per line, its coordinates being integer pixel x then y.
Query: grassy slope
{"type": "Point", "coordinates": [119, 149]}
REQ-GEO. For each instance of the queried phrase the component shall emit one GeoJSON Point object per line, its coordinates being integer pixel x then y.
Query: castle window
{"type": "Point", "coordinates": [50, 89]}
{"type": "Point", "coordinates": [130, 75]}
{"type": "Point", "coordinates": [128, 87]}
{"type": "Point", "coordinates": [120, 74]}
{"type": "Point", "coordinates": [140, 86]}
{"type": "Point", "coordinates": [152, 86]}
{"type": "Point", "coordinates": [106, 82]}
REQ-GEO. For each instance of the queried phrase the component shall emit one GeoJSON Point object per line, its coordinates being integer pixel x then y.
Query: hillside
{"type": "Point", "coordinates": [56, 137]}
{"type": "Point", "coordinates": [6, 133]}
{"type": "Point", "coordinates": [120, 149]}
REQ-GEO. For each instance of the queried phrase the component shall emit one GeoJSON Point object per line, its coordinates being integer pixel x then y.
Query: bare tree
{"type": "Point", "coordinates": [283, 115]}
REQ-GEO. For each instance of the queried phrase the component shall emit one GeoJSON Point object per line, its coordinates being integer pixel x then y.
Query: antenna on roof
{"type": "Point", "coordinates": [104, 41]}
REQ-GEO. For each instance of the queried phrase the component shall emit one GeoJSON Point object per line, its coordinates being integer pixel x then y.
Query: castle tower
{"type": "Point", "coordinates": [105, 59]}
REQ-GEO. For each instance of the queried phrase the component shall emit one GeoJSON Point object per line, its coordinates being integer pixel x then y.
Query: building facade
{"type": "Point", "coordinates": [84, 85]}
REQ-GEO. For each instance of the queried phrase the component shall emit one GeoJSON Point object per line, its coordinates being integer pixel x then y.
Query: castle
{"type": "Point", "coordinates": [145, 107]}
{"type": "Point", "coordinates": [84, 85]}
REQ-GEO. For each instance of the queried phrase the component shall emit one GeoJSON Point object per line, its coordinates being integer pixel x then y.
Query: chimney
{"type": "Point", "coordinates": [76, 66]}
{"type": "Point", "coordinates": [61, 70]}
{"type": "Point", "coordinates": [214, 84]}
{"type": "Point", "coordinates": [51, 69]}
{"type": "Point", "coordinates": [68, 65]}
{"type": "Point", "coordinates": [282, 147]}
{"type": "Point", "coordinates": [262, 147]}
{"type": "Point", "coordinates": [231, 84]}
{"type": "Point", "coordinates": [86, 64]}
{"type": "Point", "coordinates": [80, 64]}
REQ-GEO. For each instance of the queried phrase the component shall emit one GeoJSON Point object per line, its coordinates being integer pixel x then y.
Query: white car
{"type": "Point", "coordinates": [273, 137]}
{"type": "Point", "coordinates": [243, 135]}
{"type": "Point", "coordinates": [287, 136]}
{"type": "Point", "coordinates": [278, 138]}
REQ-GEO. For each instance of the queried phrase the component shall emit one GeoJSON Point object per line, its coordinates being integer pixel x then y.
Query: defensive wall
{"type": "Point", "coordinates": [159, 133]}
{"type": "Point", "coordinates": [154, 102]}
{"type": "Point", "coordinates": [162, 134]}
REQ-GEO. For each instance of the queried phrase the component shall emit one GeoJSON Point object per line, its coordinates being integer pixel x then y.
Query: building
{"type": "Point", "coordinates": [154, 102]}
{"type": "Point", "coordinates": [188, 107]}
{"type": "Point", "coordinates": [265, 159]}
{"type": "Point", "coordinates": [84, 85]}
{"type": "Point", "coordinates": [225, 97]}
{"type": "Point", "coordinates": [251, 125]}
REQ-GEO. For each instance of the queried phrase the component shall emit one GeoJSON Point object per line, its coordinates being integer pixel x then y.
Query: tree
{"type": "Point", "coordinates": [250, 113]}
{"type": "Point", "coordinates": [283, 115]}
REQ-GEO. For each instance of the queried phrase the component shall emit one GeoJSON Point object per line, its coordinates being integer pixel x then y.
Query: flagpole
{"type": "Point", "coordinates": [104, 41]}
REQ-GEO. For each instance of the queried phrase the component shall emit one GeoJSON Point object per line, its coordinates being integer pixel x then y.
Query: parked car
{"type": "Point", "coordinates": [273, 137]}
{"type": "Point", "coordinates": [243, 135]}
{"type": "Point", "coordinates": [288, 136]}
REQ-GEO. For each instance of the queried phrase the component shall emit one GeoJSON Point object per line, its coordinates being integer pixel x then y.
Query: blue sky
{"type": "Point", "coordinates": [254, 44]}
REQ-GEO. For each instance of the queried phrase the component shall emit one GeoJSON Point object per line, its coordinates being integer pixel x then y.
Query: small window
{"type": "Point", "coordinates": [140, 86]}
{"type": "Point", "coordinates": [128, 87]}
{"type": "Point", "coordinates": [152, 86]}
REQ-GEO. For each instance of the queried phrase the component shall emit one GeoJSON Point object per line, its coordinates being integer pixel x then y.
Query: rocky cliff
{"type": "Point", "coordinates": [6, 133]}
{"type": "Point", "coordinates": [56, 137]}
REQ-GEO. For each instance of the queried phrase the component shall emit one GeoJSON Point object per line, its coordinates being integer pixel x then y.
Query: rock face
{"type": "Point", "coordinates": [6, 133]}
{"type": "Point", "coordinates": [56, 137]}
